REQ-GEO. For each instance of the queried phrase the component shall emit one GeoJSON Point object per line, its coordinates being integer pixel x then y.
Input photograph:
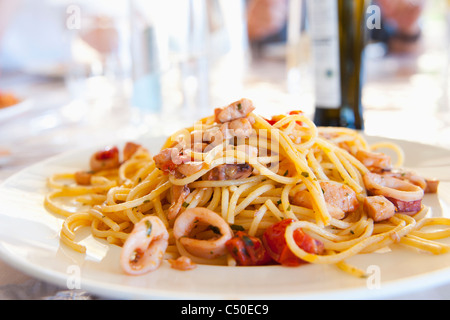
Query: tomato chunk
{"type": "Point", "coordinates": [105, 159]}
{"type": "Point", "coordinates": [277, 118]}
{"type": "Point", "coordinates": [295, 112]}
{"type": "Point", "coordinates": [107, 154]}
{"type": "Point", "coordinates": [274, 119]}
{"type": "Point", "coordinates": [247, 250]}
{"type": "Point", "coordinates": [275, 243]}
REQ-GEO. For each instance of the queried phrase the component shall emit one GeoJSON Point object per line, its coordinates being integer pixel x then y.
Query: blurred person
{"type": "Point", "coordinates": [400, 23]}
{"type": "Point", "coordinates": [34, 35]}
{"type": "Point", "coordinates": [7, 9]}
{"type": "Point", "coordinates": [266, 19]}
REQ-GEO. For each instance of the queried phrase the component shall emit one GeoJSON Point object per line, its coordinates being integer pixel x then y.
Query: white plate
{"type": "Point", "coordinates": [29, 241]}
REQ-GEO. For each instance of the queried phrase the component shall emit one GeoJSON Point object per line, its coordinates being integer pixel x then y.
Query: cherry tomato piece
{"type": "Point", "coordinates": [295, 112]}
{"type": "Point", "coordinates": [247, 250]}
{"type": "Point", "coordinates": [275, 243]}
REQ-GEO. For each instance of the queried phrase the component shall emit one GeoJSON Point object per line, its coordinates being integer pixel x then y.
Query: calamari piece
{"type": "Point", "coordinates": [340, 198]}
{"type": "Point", "coordinates": [130, 149]}
{"type": "Point", "coordinates": [432, 185]}
{"type": "Point", "coordinates": [179, 194]}
{"type": "Point", "coordinates": [83, 177]}
{"type": "Point", "coordinates": [391, 187]}
{"type": "Point", "coordinates": [235, 110]}
{"type": "Point", "coordinates": [378, 208]}
{"type": "Point", "coordinates": [406, 196]}
{"type": "Point", "coordinates": [375, 161]}
{"type": "Point", "coordinates": [239, 128]}
{"type": "Point", "coordinates": [230, 172]}
{"type": "Point", "coordinates": [169, 159]}
{"type": "Point", "coordinates": [144, 248]}
{"type": "Point", "coordinates": [191, 224]}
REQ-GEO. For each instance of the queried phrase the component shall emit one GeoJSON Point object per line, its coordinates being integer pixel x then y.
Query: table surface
{"type": "Point", "coordinates": [402, 94]}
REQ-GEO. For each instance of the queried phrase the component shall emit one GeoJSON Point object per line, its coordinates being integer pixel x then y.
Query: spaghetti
{"type": "Point", "coordinates": [239, 189]}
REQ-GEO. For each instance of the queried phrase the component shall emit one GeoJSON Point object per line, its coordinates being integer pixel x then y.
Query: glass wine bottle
{"type": "Point", "coordinates": [338, 34]}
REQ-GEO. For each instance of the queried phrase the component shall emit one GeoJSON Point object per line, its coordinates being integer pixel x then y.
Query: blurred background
{"type": "Point", "coordinates": [79, 73]}
{"type": "Point", "coordinates": [74, 73]}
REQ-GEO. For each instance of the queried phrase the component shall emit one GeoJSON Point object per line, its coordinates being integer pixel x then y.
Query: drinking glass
{"type": "Point", "coordinates": [189, 56]}
{"type": "Point", "coordinates": [298, 57]}
{"type": "Point", "coordinates": [170, 65]}
{"type": "Point", "coordinates": [99, 73]}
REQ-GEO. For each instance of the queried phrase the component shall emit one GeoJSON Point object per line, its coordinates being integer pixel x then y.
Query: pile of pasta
{"type": "Point", "coordinates": [253, 173]}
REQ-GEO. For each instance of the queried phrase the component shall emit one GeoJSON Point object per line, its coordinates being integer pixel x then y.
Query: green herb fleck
{"type": "Point", "coordinates": [185, 204]}
{"type": "Point", "coordinates": [214, 229]}
{"type": "Point", "coordinates": [236, 227]}
{"type": "Point", "coordinates": [248, 241]}
{"type": "Point", "coordinates": [148, 224]}
{"type": "Point", "coordinates": [305, 174]}
{"type": "Point", "coordinates": [286, 173]}
{"type": "Point", "coordinates": [279, 202]}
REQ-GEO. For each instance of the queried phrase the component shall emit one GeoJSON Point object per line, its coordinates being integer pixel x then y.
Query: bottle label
{"type": "Point", "coordinates": [324, 31]}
